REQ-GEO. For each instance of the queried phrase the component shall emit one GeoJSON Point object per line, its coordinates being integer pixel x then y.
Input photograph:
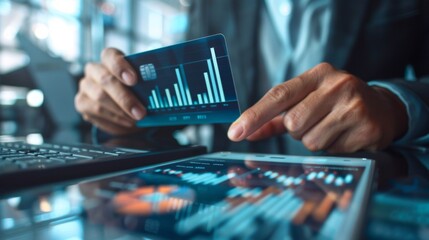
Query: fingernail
{"type": "Point", "coordinates": [128, 78]}
{"type": "Point", "coordinates": [137, 113]}
{"type": "Point", "coordinates": [235, 131]}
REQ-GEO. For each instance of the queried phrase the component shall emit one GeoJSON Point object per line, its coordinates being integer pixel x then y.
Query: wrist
{"type": "Point", "coordinates": [398, 112]}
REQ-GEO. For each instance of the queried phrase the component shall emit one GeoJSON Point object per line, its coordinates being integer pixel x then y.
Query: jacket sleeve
{"type": "Point", "coordinates": [415, 96]}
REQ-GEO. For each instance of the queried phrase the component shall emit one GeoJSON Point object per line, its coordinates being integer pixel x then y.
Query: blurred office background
{"type": "Point", "coordinates": [44, 45]}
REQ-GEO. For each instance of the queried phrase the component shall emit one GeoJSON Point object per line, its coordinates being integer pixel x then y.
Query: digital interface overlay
{"type": "Point", "coordinates": [231, 199]}
{"type": "Point", "coordinates": [186, 83]}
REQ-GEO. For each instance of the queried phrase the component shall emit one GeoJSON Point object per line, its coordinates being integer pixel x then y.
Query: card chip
{"type": "Point", "coordinates": [148, 72]}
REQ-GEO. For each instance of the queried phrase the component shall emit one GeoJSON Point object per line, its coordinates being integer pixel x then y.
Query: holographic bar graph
{"type": "Point", "coordinates": [180, 90]}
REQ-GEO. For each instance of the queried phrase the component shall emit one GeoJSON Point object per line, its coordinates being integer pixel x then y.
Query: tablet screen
{"type": "Point", "coordinates": [226, 197]}
{"type": "Point", "coordinates": [213, 196]}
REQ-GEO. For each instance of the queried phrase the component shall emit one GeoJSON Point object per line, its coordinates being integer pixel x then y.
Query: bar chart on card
{"type": "Point", "coordinates": [178, 94]}
{"type": "Point", "coordinates": [187, 83]}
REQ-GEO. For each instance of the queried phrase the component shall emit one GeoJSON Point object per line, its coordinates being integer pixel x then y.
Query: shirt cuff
{"type": "Point", "coordinates": [418, 113]}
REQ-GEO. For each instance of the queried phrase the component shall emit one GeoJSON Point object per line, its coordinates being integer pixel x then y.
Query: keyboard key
{"type": "Point", "coordinates": [4, 156]}
{"type": "Point", "coordinates": [96, 151]}
{"type": "Point", "coordinates": [111, 153]}
{"type": "Point", "coordinates": [23, 158]}
{"type": "Point", "coordinates": [65, 158]}
{"type": "Point", "coordinates": [83, 156]}
{"type": "Point", "coordinates": [49, 155]}
{"type": "Point", "coordinates": [90, 154]}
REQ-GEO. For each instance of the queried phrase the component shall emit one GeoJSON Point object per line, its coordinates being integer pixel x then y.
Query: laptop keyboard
{"type": "Point", "coordinates": [14, 156]}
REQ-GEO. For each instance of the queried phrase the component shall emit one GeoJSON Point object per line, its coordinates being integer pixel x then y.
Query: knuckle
{"type": "Point", "coordinates": [97, 109]}
{"type": "Point", "coordinates": [86, 117]}
{"type": "Point", "coordinates": [353, 111]}
{"type": "Point", "coordinates": [251, 116]}
{"type": "Point", "coordinates": [324, 66]}
{"type": "Point", "coordinates": [349, 82]}
{"type": "Point", "coordinates": [82, 84]}
{"type": "Point", "coordinates": [105, 53]}
{"type": "Point", "coordinates": [89, 67]}
{"type": "Point", "coordinates": [310, 143]}
{"type": "Point", "coordinates": [107, 79]}
{"type": "Point", "coordinates": [100, 95]}
{"type": "Point", "coordinates": [279, 93]}
{"type": "Point", "coordinates": [291, 121]}
{"type": "Point", "coordinates": [113, 59]}
{"type": "Point", "coordinates": [126, 100]}
{"type": "Point", "coordinates": [116, 118]}
{"type": "Point", "coordinates": [85, 86]}
{"type": "Point", "coordinates": [340, 118]}
{"type": "Point", "coordinates": [358, 109]}
{"type": "Point", "coordinates": [78, 102]}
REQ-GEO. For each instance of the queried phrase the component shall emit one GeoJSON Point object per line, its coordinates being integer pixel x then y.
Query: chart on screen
{"type": "Point", "coordinates": [233, 199]}
{"type": "Point", "coordinates": [186, 83]}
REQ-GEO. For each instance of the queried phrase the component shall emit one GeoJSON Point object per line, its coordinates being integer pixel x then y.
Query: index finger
{"type": "Point", "coordinates": [113, 59]}
{"type": "Point", "coordinates": [274, 102]}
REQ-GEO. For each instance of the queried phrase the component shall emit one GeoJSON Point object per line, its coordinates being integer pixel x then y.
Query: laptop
{"type": "Point", "coordinates": [24, 165]}
{"type": "Point", "coordinates": [214, 196]}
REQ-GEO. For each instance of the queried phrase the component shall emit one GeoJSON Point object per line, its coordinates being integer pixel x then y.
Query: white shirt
{"type": "Point", "coordinates": [293, 35]}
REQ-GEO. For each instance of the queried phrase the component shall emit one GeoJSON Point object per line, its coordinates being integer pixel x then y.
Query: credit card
{"type": "Point", "coordinates": [186, 83]}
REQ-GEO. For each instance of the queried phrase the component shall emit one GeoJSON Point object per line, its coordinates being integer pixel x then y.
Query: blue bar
{"type": "Point", "coordinates": [182, 90]}
{"type": "Point", "coordinates": [216, 95]}
{"type": "Point", "coordinates": [200, 99]}
{"type": "Point", "coordinates": [159, 97]}
{"type": "Point", "coordinates": [174, 101]}
{"type": "Point", "coordinates": [205, 100]}
{"type": "Point", "coordinates": [209, 89]}
{"type": "Point", "coordinates": [179, 99]}
{"type": "Point", "coordinates": [166, 103]}
{"type": "Point", "coordinates": [188, 94]}
{"type": "Point", "coordinates": [152, 104]}
{"type": "Point", "coordinates": [167, 92]}
{"type": "Point", "coordinates": [219, 81]}
{"type": "Point", "coordinates": [155, 99]}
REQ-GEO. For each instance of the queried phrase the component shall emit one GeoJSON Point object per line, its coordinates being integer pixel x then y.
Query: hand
{"type": "Point", "coordinates": [103, 97]}
{"type": "Point", "coordinates": [328, 110]}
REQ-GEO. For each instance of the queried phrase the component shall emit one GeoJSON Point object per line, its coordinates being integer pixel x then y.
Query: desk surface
{"type": "Point", "coordinates": [398, 208]}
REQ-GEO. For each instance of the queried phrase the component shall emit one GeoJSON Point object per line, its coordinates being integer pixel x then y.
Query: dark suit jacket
{"type": "Point", "coordinates": [374, 40]}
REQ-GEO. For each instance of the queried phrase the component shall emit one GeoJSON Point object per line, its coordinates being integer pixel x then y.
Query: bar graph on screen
{"type": "Point", "coordinates": [187, 83]}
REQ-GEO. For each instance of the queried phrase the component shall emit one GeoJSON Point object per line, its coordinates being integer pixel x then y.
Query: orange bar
{"type": "Point", "coordinates": [303, 213]}
{"type": "Point", "coordinates": [324, 207]}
